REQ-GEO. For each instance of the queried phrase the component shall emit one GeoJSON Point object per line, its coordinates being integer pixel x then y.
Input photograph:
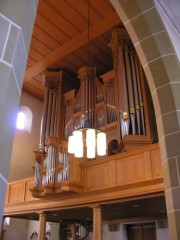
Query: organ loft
{"type": "Point", "coordinates": [118, 103]}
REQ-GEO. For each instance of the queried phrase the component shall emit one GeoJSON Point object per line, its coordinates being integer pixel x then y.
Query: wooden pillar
{"type": "Point", "coordinates": [97, 223]}
{"type": "Point", "coordinates": [42, 226]}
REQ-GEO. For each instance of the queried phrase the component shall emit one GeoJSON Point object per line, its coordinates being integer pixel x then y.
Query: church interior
{"type": "Point", "coordinates": [85, 80]}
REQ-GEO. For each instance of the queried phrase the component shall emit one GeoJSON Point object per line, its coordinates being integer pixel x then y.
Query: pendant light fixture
{"type": "Point", "coordinates": [87, 141]}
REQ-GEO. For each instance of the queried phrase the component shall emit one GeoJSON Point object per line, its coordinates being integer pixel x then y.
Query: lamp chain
{"type": "Point", "coordinates": [88, 33]}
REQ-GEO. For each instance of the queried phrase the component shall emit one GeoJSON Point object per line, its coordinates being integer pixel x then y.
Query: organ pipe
{"type": "Point", "coordinates": [127, 76]}
{"type": "Point", "coordinates": [116, 104]}
{"type": "Point", "coordinates": [87, 76]}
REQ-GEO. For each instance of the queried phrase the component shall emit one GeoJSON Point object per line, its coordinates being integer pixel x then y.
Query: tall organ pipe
{"type": "Point", "coordinates": [44, 120]}
{"type": "Point", "coordinates": [123, 94]}
{"type": "Point", "coordinates": [140, 96]}
{"type": "Point", "coordinates": [87, 77]}
{"type": "Point", "coordinates": [136, 94]}
{"type": "Point", "coordinates": [130, 92]}
{"type": "Point", "coordinates": [49, 114]}
{"type": "Point", "coordinates": [52, 114]}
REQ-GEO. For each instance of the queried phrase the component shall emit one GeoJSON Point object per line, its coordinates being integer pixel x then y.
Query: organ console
{"type": "Point", "coordinates": [118, 102]}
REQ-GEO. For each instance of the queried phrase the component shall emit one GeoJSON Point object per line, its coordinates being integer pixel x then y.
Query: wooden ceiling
{"type": "Point", "coordinates": [60, 37]}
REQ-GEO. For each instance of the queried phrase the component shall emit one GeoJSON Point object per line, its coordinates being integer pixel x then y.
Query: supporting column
{"type": "Point", "coordinates": [16, 31]}
{"type": "Point", "coordinates": [42, 226]}
{"type": "Point", "coordinates": [97, 223]}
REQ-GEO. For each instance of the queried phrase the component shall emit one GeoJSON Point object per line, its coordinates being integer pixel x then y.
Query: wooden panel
{"type": "Point", "coordinates": [40, 47]}
{"type": "Point", "coordinates": [45, 38]}
{"type": "Point", "coordinates": [133, 169]}
{"type": "Point", "coordinates": [156, 163]}
{"type": "Point", "coordinates": [50, 29]}
{"type": "Point", "coordinates": [81, 8]}
{"type": "Point", "coordinates": [51, 15]}
{"type": "Point", "coordinates": [34, 55]}
{"type": "Point", "coordinates": [29, 185]}
{"type": "Point", "coordinates": [78, 41]}
{"type": "Point", "coordinates": [16, 192]}
{"type": "Point", "coordinates": [65, 8]}
{"type": "Point", "coordinates": [102, 7]}
{"type": "Point", "coordinates": [98, 177]}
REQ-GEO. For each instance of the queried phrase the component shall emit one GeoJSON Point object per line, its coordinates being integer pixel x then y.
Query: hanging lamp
{"type": "Point", "coordinates": [87, 140]}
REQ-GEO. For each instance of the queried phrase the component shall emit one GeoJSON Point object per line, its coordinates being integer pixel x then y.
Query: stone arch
{"type": "Point", "coordinates": [161, 66]}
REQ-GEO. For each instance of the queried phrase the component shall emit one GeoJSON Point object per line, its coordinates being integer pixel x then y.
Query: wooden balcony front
{"type": "Point", "coordinates": [129, 175]}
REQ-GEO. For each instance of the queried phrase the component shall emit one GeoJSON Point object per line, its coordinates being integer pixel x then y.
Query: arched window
{"type": "Point", "coordinates": [24, 119]}
{"type": "Point", "coordinates": [21, 118]}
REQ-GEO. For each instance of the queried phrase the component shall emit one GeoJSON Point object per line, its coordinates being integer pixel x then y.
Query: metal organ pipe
{"type": "Point", "coordinates": [123, 94]}
{"type": "Point", "coordinates": [130, 92]}
{"type": "Point", "coordinates": [87, 77]}
{"type": "Point", "coordinates": [49, 114]}
{"type": "Point", "coordinates": [52, 114]}
{"type": "Point", "coordinates": [140, 96]}
{"type": "Point", "coordinates": [128, 81]}
{"type": "Point", "coordinates": [44, 121]}
{"type": "Point", "coordinates": [136, 94]}
{"type": "Point", "coordinates": [56, 116]}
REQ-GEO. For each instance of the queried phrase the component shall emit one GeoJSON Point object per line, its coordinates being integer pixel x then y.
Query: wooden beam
{"type": "Point", "coordinates": [78, 41]}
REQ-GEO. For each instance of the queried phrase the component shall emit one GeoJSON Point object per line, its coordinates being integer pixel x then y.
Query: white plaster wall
{"type": "Point", "coordinates": [16, 230]}
{"type": "Point", "coordinates": [23, 229]}
{"type": "Point", "coordinates": [110, 235]}
{"type": "Point", "coordinates": [163, 234]}
{"type": "Point", "coordinates": [22, 158]}
{"type": "Point", "coordinates": [54, 231]}
{"type": "Point", "coordinates": [121, 234]}
{"type": "Point", "coordinates": [33, 226]}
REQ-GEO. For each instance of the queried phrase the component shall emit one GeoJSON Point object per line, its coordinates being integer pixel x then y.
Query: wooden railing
{"type": "Point", "coordinates": [120, 176]}
{"type": "Point", "coordinates": [133, 167]}
{"type": "Point", "coordinates": [19, 191]}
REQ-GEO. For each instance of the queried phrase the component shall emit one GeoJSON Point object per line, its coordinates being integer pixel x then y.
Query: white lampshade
{"type": "Point", "coordinates": [77, 136]}
{"type": "Point", "coordinates": [71, 144]}
{"type": "Point", "coordinates": [79, 149]}
{"type": "Point", "coordinates": [90, 138]}
{"type": "Point", "coordinates": [75, 143]}
{"type": "Point", "coordinates": [78, 143]}
{"type": "Point", "coordinates": [101, 144]}
{"type": "Point", "coordinates": [91, 151]}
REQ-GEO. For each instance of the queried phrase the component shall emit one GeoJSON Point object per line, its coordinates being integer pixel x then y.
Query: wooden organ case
{"type": "Point", "coordinates": [120, 105]}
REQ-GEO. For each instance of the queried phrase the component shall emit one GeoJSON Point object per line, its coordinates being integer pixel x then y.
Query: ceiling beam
{"type": "Point", "coordinates": [78, 41]}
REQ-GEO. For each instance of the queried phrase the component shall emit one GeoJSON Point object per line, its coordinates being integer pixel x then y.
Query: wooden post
{"type": "Point", "coordinates": [97, 223]}
{"type": "Point", "coordinates": [42, 226]}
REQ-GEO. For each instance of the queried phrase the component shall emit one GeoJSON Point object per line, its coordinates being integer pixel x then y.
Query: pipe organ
{"type": "Point", "coordinates": [117, 102]}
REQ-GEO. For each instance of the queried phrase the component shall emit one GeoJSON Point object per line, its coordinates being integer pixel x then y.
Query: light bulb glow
{"type": "Point", "coordinates": [79, 149]}
{"type": "Point", "coordinates": [71, 144]}
{"type": "Point", "coordinates": [91, 151]}
{"type": "Point", "coordinates": [101, 144]}
{"type": "Point", "coordinates": [95, 141]}
{"type": "Point", "coordinates": [78, 143]}
{"type": "Point", "coordinates": [77, 136]}
{"type": "Point", "coordinates": [90, 137]}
